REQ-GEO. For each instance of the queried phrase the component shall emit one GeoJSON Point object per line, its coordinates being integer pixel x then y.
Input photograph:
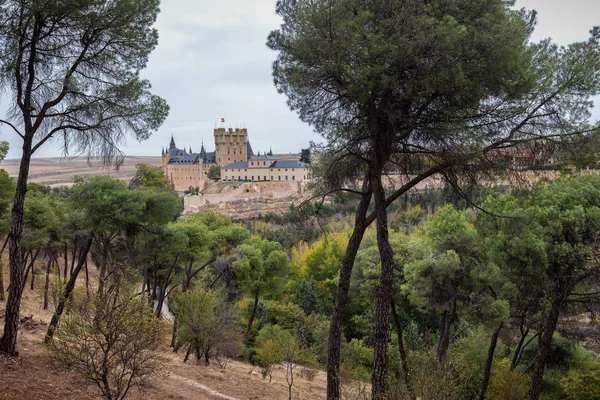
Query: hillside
{"type": "Point", "coordinates": [56, 171]}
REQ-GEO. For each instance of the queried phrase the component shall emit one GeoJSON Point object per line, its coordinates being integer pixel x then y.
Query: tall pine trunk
{"type": "Point", "coordinates": [252, 316]}
{"type": "Point", "coordinates": [447, 321]}
{"type": "Point", "coordinates": [8, 342]}
{"type": "Point", "coordinates": [69, 287]}
{"type": "Point", "coordinates": [47, 283]}
{"type": "Point", "coordinates": [383, 298]}
{"type": "Point", "coordinates": [1, 277]}
{"type": "Point", "coordinates": [402, 350]}
{"type": "Point", "coordinates": [545, 347]}
{"type": "Point", "coordinates": [488, 363]}
{"type": "Point", "coordinates": [334, 355]}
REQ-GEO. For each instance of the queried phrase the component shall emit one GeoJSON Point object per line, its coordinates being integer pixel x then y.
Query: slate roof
{"type": "Point", "coordinates": [287, 164]}
{"type": "Point", "coordinates": [186, 159]}
{"type": "Point", "coordinates": [175, 152]}
{"type": "Point", "coordinates": [209, 157]}
{"type": "Point", "coordinates": [238, 165]}
{"type": "Point", "coordinates": [263, 157]}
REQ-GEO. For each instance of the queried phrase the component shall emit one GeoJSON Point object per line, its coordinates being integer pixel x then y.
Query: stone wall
{"type": "Point", "coordinates": [245, 199]}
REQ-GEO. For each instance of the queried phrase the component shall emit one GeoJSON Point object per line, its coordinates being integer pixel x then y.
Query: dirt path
{"type": "Point", "coordinates": [205, 389]}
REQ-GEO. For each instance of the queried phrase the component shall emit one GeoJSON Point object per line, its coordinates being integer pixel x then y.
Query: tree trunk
{"type": "Point", "coordinates": [87, 278]}
{"type": "Point", "coordinates": [252, 316]}
{"type": "Point", "coordinates": [384, 292]}
{"type": "Point", "coordinates": [67, 292]}
{"type": "Point", "coordinates": [402, 350]}
{"type": "Point", "coordinates": [334, 345]}
{"type": "Point", "coordinates": [66, 250]}
{"type": "Point", "coordinates": [30, 267]}
{"type": "Point", "coordinates": [1, 278]}
{"type": "Point", "coordinates": [73, 257]}
{"type": "Point", "coordinates": [488, 363]}
{"type": "Point", "coordinates": [8, 342]}
{"type": "Point", "coordinates": [445, 332]}
{"type": "Point", "coordinates": [47, 283]}
{"type": "Point", "coordinates": [516, 355]}
{"type": "Point", "coordinates": [174, 335]}
{"type": "Point", "coordinates": [544, 351]}
{"type": "Point", "coordinates": [32, 285]}
{"type": "Point", "coordinates": [101, 278]}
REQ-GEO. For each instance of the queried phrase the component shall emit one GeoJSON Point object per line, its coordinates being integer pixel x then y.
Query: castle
{"type": "Point", "coordinates": [234, 156]}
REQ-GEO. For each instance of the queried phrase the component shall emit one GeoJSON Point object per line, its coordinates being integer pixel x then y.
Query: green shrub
{"type": "Point", "coordinates": [506, 384]}
{"type": "Point", "coordinates": [358, 358]}
{"type": "Point", "coordinates": [582, 384]}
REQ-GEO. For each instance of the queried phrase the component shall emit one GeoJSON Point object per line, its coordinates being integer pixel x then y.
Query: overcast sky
{"type": "Point", "coordinates": [211, 62]}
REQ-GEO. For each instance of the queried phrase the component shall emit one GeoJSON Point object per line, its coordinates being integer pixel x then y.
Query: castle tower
{"type": "Point", "coordinates": [231, 145]}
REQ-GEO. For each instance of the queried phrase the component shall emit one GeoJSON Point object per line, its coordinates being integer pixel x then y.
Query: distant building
{"type": "Point", "coordinates": [235, 157]}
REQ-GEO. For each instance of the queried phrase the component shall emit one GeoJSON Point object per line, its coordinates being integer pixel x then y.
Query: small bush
{"type": "Point", "coordinates": [111, 341]}
{"type": "Point", "coordinates": [506, 384]}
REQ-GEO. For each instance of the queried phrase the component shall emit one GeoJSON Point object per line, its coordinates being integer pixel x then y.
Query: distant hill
{"type": "Point", "coordinates": [56, 171]}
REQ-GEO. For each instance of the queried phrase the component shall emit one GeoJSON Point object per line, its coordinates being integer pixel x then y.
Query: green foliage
{"type": "Point", "coordinates": [323, 259]}
{"type": "Point", "coordinates": [470, 351]}
{"type": "Point", "coordinates": [507, 384]}
{"type": "Point", "coordinates": [3, 149]}
{"type": "Point", "coordinates": [286, 315]}
{"type": "Point", "coordinates": [305, 155]}
{"type": "Point", "coordinates": [7, 192]}
{"type": "Point", "coordinates": [307, 296]}
{"type": "Point", "coordinates": [149, 177]}
{"type": "Point", "coordinates": [582, 384]}
{"type": "Point", "coordinates": [357, 357]}
{"type": "Point", "coordinates": [273, 345]}
{"type": "Point", "coordinates": [214, 172]}
{"type": "Point", "coordinates": [206, 324]}
{"type": "Point", "coordinates": [262, 266]}
{"type": "Point", "coordinates": [438, 382]}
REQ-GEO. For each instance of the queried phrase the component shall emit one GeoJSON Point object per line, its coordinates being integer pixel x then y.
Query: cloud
{"type": "Point", "coordinates": [212, 62]}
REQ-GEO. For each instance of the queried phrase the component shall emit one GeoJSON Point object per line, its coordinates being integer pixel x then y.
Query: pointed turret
{"type": "Point", "coordinates": [249, 150]}
{"type": "Point", "coordinates": [162, 151]}
{"type": "Point", "coordinates": [202, 151]}
{"type": "Point", "coordinates": [191, 152]}
{"type": "Point", "coordinates": [270, 151]}
{"type": "Point", "coordinates": [172, 144]}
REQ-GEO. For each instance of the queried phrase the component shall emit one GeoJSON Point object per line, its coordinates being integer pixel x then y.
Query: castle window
{"type": "Point", "coordinates": [279, 178]}
{"type": "Point", "coordinates": [264, 163]}
{"type": "Point", "coordinates": [251, 163]}
{"type": "Point", "coordinates": [265, 178]}
{"type": "Point", "coordinates": [271, 177]}
{"type": "Point", "coordinates": [293, 178]}
{"type": "Point", "coordinates": [286, 177]}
